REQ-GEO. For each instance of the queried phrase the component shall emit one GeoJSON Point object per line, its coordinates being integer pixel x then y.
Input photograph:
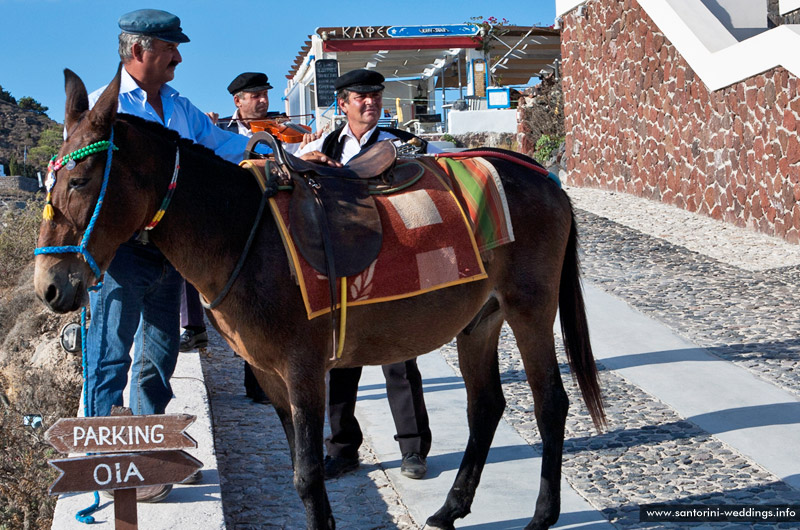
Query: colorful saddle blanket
{"type": "Point", "coordinates": [481, 191]}
{"type": "Point", "coordinates": [428, 244]}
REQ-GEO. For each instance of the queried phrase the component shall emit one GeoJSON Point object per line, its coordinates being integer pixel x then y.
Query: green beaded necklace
{"type": "Point", "coordinates": [69, 160]}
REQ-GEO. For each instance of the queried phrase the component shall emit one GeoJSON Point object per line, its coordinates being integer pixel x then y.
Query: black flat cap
{"type": "Point", "coordinates": [361, 81]}
{"type": "Point", "coordinates": [153, 23]}
{"type": "Point", "coordinates": [249, 82]}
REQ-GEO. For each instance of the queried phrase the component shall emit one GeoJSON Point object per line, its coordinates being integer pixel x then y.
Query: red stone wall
{"type": "Point", "coordinates": [638, 120]}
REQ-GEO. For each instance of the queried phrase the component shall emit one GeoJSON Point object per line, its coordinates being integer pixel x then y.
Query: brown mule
{"type": "Point", "coordinates": [263, 317]}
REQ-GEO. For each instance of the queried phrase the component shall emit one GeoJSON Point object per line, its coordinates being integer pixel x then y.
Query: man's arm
{"type": "Point", "coordinates": [225, 144]}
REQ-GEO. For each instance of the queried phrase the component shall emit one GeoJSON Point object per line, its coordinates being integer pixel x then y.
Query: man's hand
{"type": "Point", "coordinates": [320, 158]}
{"type": "Point", "coordinates": [213, 116]}
{"type": "Point", "coordinates": [310, 137]}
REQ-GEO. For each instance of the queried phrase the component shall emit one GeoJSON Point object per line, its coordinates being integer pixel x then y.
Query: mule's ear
{"type": "Point", "coordinates": [105, 110]}
{"type": "Point", "coordinates": [77, 100]}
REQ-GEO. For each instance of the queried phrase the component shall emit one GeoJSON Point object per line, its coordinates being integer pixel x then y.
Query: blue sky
{"type": "Point", "coordinates": [39, 38]}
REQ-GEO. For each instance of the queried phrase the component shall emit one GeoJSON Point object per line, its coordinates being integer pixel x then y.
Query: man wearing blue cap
{"type": "Point", "coordinates": [139, 302]}
{"type": "Point", "coordinates": [360, 97]}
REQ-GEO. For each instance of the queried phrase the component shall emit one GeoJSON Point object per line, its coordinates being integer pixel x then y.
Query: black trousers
{"type": "Point", "coordinates": [406, 400]}
{"type": "Point", "coordinates": [251, 386]}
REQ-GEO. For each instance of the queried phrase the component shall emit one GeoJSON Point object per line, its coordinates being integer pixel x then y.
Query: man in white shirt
{"type": "Point", "coordinates": [250, 91]}
{"type": "Point", "coordinates": [360, 97]}
{"type": "Point", "coordinates": [139, 302]}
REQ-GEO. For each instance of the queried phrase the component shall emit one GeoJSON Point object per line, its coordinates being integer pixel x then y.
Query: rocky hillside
{"type": "Point", "coordinates": [19, 128]}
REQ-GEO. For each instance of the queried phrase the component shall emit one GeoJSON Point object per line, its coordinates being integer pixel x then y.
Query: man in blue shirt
{"type": "Point", "coordinates": [139, 302]}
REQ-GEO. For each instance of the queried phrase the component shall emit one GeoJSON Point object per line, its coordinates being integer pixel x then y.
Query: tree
{"type": "Point", "coordinates": [49, 143]}
{"type": "Point", "coordinates": [14, 167]}
{"type": "Point", "coordinates": [5, 95]}
{"type": "Point", "coordinates": [28, 103]}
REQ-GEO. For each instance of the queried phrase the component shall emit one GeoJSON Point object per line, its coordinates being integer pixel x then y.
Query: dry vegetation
{"type": "Point", "coordinates": [36, 377]}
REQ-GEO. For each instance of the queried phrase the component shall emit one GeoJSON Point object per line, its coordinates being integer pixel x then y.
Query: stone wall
{"type": "Point", "coordinates": [540, 111]}
{"type": "Point", "coordinates": [776, 19]}
{"type": "Point", "coordinates": [639, 121]}
{"type": "Point", "coordinates": [16, 183]}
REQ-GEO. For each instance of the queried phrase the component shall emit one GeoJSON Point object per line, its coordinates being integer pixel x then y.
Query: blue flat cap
{"type": "Point", "coordinates": [153, 23]}
{"type": "Point", "coordinates": [362, 81]}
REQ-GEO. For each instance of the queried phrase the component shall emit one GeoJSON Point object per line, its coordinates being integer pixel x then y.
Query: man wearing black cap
{"type": "Point", "coordinates": [360, 97]}
{"type": "Point", "coordinates": [139, 302]}
{"type": "Point", "coordinates": [250, 91]}
{"type": "Point", "coordinates": [359, 94]}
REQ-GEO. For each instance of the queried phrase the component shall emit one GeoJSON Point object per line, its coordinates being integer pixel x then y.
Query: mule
{"type": "Point", "coordinates": [263, 318]}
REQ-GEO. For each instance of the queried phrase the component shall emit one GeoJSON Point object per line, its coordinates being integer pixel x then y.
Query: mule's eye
{"type": "Point", "coordinates": [78, 182]}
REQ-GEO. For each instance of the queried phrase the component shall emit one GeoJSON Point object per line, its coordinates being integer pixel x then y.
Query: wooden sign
{"type": "Point", "coordinates": [353, 32]}
{"type": "Point", "coordinates": [479, 77]}
{"type": "Point", "coordinates": [123, 470]}
{"type": "Point", "coordinates": [114, 434]}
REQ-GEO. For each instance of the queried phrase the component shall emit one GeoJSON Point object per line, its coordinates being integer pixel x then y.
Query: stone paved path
{"type": "Point", "coordinates": [739, 307]}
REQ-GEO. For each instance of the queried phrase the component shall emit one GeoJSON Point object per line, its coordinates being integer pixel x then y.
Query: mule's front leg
{"type": "Point", "coordinates": [307, 396]}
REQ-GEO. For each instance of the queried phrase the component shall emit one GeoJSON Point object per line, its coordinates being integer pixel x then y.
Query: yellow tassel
{"type": "Point", "coordinates": [48, 213]}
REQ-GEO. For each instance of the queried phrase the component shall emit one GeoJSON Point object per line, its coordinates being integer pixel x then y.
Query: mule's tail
{"type": "Point", "coordinates": [575, 331]}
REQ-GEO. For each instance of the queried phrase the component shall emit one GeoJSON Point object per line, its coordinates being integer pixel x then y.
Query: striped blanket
{"type": "Point", "coordinates": [478, 183]}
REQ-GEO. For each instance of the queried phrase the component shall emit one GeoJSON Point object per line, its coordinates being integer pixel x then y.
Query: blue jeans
{"type": "Point", "coordinates": [138, 305]}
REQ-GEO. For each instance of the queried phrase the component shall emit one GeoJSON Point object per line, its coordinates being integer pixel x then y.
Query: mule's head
{"type": "Point", "coordinates": [75, 180]}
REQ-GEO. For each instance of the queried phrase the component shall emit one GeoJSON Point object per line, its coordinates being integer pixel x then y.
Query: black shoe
{"type": "Point", "coordinates": [414, 466]}
{"type": "Point", "coordinates": [336, 466]}
{"type": "Point", "coordinates": [191, 340]}
{"type": "Point", "coordinates": [194, 478]}
{"type": "Point", "coordinates": [145, 493]}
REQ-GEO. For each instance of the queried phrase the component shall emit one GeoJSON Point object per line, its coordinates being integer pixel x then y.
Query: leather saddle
{"type": "Point", "coordinates": [333, 219]}
{"type": "Point", "coordinates": [332, 214]}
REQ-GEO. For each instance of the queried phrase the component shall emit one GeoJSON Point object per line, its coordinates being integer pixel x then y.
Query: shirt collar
{"type": "Point", "coordinates": [241, 125]}
{"type": "Point", "coordinates": [235, 117]}
{"type": "Point", "coordinates": [348, 132]}
{"type": "Point", "coordinates": [128, 85]}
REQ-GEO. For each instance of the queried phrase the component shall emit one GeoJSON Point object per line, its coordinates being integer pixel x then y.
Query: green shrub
{"type": "Point", "coordinates": [19, 230]}
{"type": "Point", "coordinates": [545, 146]}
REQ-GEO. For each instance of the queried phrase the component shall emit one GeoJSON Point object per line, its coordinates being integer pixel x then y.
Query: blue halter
{"type": "Point", "coordinates": [84, 516]}
{"type": "Point", "coordinates": [81, 249]}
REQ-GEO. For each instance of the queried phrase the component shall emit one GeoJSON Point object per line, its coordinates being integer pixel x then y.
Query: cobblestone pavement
{"type": "Point", "coordinates": [737, 304]}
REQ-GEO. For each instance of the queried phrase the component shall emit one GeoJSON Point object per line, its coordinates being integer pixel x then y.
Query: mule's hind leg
{"type": "Point", "coordinates": [477, 358]}
{"type": "Point", "coordinates": [531, 318]}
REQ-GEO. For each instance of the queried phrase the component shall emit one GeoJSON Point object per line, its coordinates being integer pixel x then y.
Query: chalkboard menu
{"type": "Point", "coordinates": [326, 72]}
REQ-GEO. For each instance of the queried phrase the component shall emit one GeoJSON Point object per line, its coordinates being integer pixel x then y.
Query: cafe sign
{"type": "Point", "coordinates": [382, 32]}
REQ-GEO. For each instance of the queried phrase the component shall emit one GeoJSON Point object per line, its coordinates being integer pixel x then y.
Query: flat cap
{"type": "Point", "coordinates": [249, 82]}
{"type": "Point", "coordinates": [361, 81]}
{"type": "Point", "coordinates": [153, 23]}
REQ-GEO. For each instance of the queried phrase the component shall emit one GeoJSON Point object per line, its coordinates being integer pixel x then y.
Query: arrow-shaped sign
{"type": "Point", "coordinates": [123, 470]}
{"type": "Point", "coordinates": [113, 434]}
{"type": "Point", "coordinates": [443, 30]}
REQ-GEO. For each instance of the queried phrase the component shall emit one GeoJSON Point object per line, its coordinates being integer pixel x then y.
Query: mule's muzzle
{"type": "Point", "coordinates": [61, 288]}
